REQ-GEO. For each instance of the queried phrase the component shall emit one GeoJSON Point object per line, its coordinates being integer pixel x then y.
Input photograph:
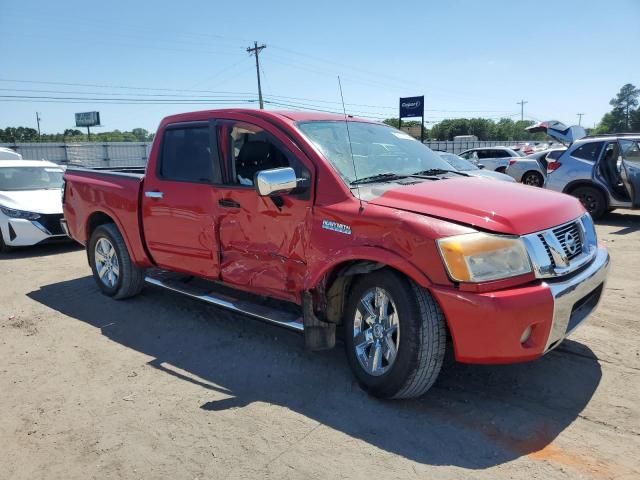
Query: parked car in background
{"type": "Point", "coordinates": [30, 202]}
{"type": "Point", "coordinates": [8, 154]}
{"type": "Point", "coordinates": [387, 243]}
{"type": "Point", "coordinates": [471, 168]}
{"type": "Point", "coordinates": [532, 169]}
{"type": "Point", "coordinates": [603, 171]}
{"type": "Point", "coordinates": [493, 158]}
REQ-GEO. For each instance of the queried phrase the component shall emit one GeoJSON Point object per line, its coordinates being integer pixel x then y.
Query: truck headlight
{"type": "Point", "coordinates": [13, 213]}
{"type": "Point", "coordinates": [481, 257]}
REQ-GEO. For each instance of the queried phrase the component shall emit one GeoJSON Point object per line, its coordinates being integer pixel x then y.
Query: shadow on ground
{"type": "Point", "coordinates": [42, 250]}
{"type": "Point", "coordinates": [475, 417]}
{"type": "Point", "coordinates": [628, 223]}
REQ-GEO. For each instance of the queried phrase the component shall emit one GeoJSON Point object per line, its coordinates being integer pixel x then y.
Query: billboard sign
{"type": "Point", "coordinates": [87, 119]}
{"type": "Point", "coordinates": [412, 107]}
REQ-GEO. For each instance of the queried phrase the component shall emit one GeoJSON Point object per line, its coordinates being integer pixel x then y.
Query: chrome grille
{"type": "Point", "coordinates": [562, 249]}
{"type": "Point", "coordinates": [547, 249]}
{"type": "Point", "coordinates": [570, 239]}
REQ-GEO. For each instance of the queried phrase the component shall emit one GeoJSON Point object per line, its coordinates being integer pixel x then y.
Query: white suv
{"type": "Point", "coordinates": [493, 158]}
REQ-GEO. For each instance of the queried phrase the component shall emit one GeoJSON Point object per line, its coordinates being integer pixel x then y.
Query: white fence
{"type": "Point", "coordinates": [92, 155]}
{"type": "Point", "coordinates": [459, 147]}
{"type": "Point", "coordinates": [135, 154]}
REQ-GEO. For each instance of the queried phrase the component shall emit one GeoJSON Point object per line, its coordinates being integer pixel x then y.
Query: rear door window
{"type": "Point", "coordinates": [187, 155]}
{"type": "Point", "coordinates": [588, 151]}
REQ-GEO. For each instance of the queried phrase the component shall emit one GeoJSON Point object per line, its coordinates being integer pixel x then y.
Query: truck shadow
{"type": "Point", "coordinates": [628, 223]}
{"type": "Point", "coordinates": [42, 250]}
{"type": "Point", "coordinates": [475, 417]}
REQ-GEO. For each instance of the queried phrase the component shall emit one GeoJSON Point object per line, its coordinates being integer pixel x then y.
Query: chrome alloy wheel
{"type": "Point", "coordinates": [107, 263]}
{"type": "Point", "coordinates": [376, 331]}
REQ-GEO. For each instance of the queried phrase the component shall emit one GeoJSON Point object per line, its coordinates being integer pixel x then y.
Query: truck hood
{"type": "Point", "coordinates": [500, 207]}
{"type": "Point", "coordinates": [39, 201]}
{"type": "Point", "coordinates": [559, 131]}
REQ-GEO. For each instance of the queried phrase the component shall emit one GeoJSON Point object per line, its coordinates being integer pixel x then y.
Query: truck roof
{"type": "Point", "coordinates": [287, 115]}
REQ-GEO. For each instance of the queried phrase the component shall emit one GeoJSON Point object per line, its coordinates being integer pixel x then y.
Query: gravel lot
{"type": "Point", "coordinates": [161, 386]}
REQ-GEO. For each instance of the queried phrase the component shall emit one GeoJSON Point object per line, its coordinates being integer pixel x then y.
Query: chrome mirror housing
{"type": "Point", "coordinates": [275, 181]}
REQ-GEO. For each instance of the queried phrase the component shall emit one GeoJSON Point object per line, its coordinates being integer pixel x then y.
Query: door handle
{"type": "Point", "coordinates": [228, 203]}
{"type": "Point", "coordinates": [153, 194]}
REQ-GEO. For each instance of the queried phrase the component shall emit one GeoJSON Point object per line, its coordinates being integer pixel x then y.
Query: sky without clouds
{"type": "Point", "coordinates": [470, 58]}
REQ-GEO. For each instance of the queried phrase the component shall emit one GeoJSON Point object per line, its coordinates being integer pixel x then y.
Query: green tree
{"type": "Point", "coordinates": [626, 101]}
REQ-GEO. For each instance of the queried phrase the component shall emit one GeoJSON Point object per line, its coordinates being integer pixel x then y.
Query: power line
{"type": "Point", "coordinates": [579, 118]}
{"type": "Point", "coordinates": [183, 95]}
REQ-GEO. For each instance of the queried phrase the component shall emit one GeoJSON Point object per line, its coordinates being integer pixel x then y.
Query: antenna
{"type": "Point", "coordinates": [346, 123]}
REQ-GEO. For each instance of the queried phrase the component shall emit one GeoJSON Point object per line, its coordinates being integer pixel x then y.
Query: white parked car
{"type": "Point", "coordinates": [30, 202]}
{"type": "Point", "coordinates": [8, 154]}
{"type": "Point", "coordinates": [470, 168]}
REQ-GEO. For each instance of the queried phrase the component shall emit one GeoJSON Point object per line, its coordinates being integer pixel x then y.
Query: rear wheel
{"type": "Point", "coordinates": [114, 272]}
{"type": "Point", "coordinates": [394, 336]}
{"type": "Point", "coordinates": [592, 199]}
{"type": "Point", "coordinates": [501, 169]}
{"type": "Point", "coordinates": [535, 179]}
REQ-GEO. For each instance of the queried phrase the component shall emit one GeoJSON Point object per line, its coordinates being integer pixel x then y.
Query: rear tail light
{"type": "Point", "coordinates": [552, 166]}
{"type": "Point", "coordinates": [512, 161]}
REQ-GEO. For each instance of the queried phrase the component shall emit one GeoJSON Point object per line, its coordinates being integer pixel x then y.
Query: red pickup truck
{"type": "Point", "coordinates": [313, 221]}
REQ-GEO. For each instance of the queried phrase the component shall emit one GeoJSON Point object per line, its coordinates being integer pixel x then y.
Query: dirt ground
{"type": "Point", "coordinates": [161, 386]}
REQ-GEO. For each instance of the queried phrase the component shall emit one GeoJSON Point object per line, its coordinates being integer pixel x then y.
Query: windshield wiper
{"type": "Point", "coordinates": [378, 177]}
{"type": "Point", "coordinates": [437, 171]}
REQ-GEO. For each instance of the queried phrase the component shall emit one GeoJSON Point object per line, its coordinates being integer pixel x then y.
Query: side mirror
{"type": "Point", "coordinates": [275, 181]}
{"type": "Point", "coordinates": [480, 166]}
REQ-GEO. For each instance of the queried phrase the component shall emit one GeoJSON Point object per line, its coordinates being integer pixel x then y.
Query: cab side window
{"type": "Point", "coordinates": [588, 151]}
{"type": "Point", "coordinates": [187, 156]}
{"type": "Point", "coordinates": [252, 149]}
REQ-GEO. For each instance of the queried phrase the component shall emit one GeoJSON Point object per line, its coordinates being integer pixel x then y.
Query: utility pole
{"type": "Point", "coordinates": [521, 103]}
{"type": "Point", "coordinates": [579, 118]}
{"type": "Point", "coordinates": [38, 120]}
{"type": "Point", "coordinates": [256, 50]}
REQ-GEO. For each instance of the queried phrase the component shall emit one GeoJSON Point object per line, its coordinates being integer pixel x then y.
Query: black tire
{"type": "Point", "coordinates": [422, 337]}
{"type": "Point", "coordinates": [4, 248]}
{"type": "Point", "coordinates": [533, 178]}
{"type": "Point", "coordinates": [501, 170]}
{"type": "Point", "coordinates": [592, 200]}
{"type": "Point", "coordinates": [130, 279]}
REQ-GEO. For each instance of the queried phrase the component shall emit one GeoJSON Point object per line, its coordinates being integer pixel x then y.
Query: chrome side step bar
{"type": "Point", "coordinates": [281, 318]}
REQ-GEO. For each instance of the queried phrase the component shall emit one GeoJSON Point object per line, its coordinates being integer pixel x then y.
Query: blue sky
{"type": "Point", "coordinates": [469, 58]}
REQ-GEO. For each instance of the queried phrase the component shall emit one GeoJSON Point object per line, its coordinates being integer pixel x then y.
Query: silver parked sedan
{"type": "Point", "coordinates": [532, 169]}
{"type": "Point", "coordinates": [470, 168]}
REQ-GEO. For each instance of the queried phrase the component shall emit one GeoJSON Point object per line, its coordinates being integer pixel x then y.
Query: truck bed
{"type": "Point", "coordinates": [91, 194]}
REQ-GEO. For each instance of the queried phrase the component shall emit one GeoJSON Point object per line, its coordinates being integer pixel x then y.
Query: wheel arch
{"type": "Point", "coordinates": [331, 286]}
{"type": "Point", "coordinates": [571, 186]}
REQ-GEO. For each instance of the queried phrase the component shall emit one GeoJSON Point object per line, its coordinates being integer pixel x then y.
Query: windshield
{"type": "Point", "coordinates": [457, 162]}
{"type": "Point", "coordinates": [30, 178]}
{"type": "Point", "coordinates": [377, 149]}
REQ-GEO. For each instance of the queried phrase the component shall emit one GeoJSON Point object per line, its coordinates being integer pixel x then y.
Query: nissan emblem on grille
{"type": "Point", "coordinates": [570, 243]}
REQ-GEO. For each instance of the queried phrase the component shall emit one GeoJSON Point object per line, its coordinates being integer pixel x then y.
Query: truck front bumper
{"type": "Point", "coordinates": [520, 324]}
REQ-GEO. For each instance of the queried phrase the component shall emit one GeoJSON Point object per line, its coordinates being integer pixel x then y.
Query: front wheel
{"type": "Point", "coordinates": [113, 270]}
{"type": "Point", "coordinates": [592, 199]}
{"type": "Point", "coordinates": [394, 334]}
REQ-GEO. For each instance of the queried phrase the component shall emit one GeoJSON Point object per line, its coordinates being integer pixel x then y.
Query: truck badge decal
{"type": "Point", "coordinates": [336, 227]}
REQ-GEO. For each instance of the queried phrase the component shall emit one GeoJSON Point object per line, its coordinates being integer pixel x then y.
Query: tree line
{"type": "Point", "coordinates": [27, 134]}
{"type": "Point", "coordinates": [624, 117]}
